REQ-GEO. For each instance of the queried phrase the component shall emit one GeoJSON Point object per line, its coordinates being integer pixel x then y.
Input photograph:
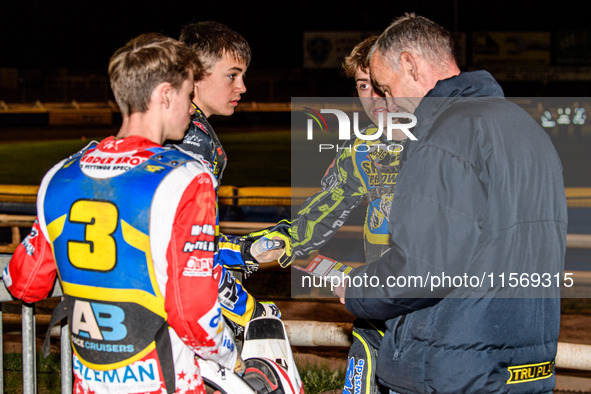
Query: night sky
{"type": "Point", "coordinates": [53, 34]}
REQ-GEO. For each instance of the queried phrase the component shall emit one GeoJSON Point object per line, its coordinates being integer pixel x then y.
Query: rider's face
{"type": "Point", "coordinates": [372, 101]}
{"type": "Point", "coordinates": [219, 91]}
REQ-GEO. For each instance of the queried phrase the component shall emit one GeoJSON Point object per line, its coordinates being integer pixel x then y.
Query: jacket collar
{"type": "Point", "coordinates": [466, 84]}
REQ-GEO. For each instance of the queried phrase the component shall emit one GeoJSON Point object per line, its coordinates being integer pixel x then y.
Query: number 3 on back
{"type": "Point", "coordinates": [98, 250]}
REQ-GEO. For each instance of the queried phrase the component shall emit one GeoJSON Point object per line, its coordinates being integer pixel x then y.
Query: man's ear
{"type": "Point", "coordinates": [409, 64]}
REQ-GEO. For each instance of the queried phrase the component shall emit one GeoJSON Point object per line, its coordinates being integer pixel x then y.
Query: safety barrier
{"type": "Point", "coordinates": [240, 207]}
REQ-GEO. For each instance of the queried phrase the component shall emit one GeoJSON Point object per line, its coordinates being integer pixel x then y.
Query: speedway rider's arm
{"type": "Point", "coordinates": [234, 251]}
{"type": "Point", "coordinates": [324, 213]}
{"type": "Point", "coordinates": [31, 272]}
{"type": "Point", "coordinates": [191, 298]}
{"type": "Point", "coordinates": [238, 305]}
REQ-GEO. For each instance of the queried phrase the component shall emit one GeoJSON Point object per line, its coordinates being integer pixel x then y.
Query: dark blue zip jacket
{"type": "Point", "coordinates": [480, 201]}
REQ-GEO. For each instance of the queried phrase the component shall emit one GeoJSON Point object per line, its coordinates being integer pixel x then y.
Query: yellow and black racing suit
{"type": "Point", "coordinates": [361, 169]}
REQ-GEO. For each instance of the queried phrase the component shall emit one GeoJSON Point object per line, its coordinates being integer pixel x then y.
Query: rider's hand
{"type": "Point", "coordinates": [267, 308]}
{"type": "Point", "coordinates": [269, 255]}
{"type": "Point", "coordinates": [240, 366]}
{"type": "Point", "coordinates": [271, 309]}
{"type": "Point", "coordinates": [281, 231]}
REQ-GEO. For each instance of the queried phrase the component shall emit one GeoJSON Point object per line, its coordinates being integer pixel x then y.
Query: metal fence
{"type": "Point", "coordinates": [29, 336]}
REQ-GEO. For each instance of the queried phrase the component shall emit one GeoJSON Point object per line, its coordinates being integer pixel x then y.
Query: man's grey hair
{"type": "Point", "coordinates": [417, 35]}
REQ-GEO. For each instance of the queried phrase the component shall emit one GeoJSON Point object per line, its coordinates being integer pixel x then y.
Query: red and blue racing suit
{"type": "Point", "coordinates": [129, 228]}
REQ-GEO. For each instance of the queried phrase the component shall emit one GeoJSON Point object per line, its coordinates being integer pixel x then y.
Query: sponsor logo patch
{"type": "Point", "coordinates": [198, 266]}
{"type": "Point", "coordinates": [530, 372]}
{"type": "Point", "coordinates": [354, 374]}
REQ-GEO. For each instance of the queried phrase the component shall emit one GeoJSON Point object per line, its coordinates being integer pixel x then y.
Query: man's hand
{"type": "Point", "coordinates": [339, 291]}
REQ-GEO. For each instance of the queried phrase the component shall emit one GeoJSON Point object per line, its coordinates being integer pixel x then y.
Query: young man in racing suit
{"type": "Point", "coordinates": [128, 226]}
{"type": "Point", "coordinates": [225, 56]}
{"type": "Point", "coordinates": [363, 169]}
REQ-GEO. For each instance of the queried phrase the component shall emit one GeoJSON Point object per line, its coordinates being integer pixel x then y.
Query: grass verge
{"type": "Point", "coordinates": [321, 378]}
{"type": "Point", "coordinates": [254, 159]}
{"type": "Point", "coordinates": [48, 374]}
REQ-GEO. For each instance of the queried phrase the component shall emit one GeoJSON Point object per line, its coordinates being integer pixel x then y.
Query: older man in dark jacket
{"type": "Point", "coordinates": [479, 202]}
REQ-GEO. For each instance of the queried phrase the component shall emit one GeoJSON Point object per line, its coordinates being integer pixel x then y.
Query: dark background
{"type": "Point", "coordinates": [49, 39]}
{"type": "Point", "coordinates": [83, 34]}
